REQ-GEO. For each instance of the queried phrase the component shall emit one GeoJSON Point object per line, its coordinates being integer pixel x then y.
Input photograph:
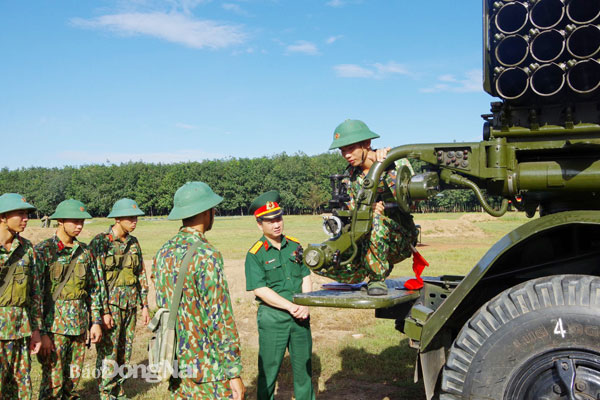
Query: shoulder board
{"type": "Point", "coordinates": [256, 246]}
{"type": "Point", "coordinates": [293, 239]}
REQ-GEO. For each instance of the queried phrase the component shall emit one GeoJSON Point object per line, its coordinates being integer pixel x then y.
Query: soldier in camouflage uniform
{"type": "Point", "coordinates": [275, 273]}
{"type": "Point", "coordinates": [72, 293]}
{"type": "Point", "coordinates": [20, 299]}
{"type": "Point", "coordinates": [119, 258]}
{"type": "Point", "coordinates": [393, 231]}
{"type": "Point", "coordinates": [207, 339]}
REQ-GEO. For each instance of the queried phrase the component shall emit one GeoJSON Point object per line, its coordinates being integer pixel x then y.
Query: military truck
{"type": "Point", "coordinates": [524, 323]}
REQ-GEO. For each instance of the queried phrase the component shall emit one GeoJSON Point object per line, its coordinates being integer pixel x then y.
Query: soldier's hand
{"type": "Point", "coordinates": [381, 154]}
{"type": "Point", "coordinates": [237, 387]}
{"type": "Point", "coordinates": [47, 346]}
{"type": "Point", "coordinates": [95, 333]}
{"type": "Point", "coordinates": [303, 312]}
{"type": "Point", "coordinates": [145, 315]}
{"type": "Point", "coordinates": [107, 321]}
{"type": "Point", "coordinates": [378, 208]}
{"type": "Point", "coordinates": [36, 342]}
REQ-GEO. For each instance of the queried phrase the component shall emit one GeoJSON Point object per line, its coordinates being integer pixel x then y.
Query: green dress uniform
{"type": "Point", "coordinates": [266, 266]}
{"type": "Point", "coordinates": [122, 269]}
{"type": "Point", "coordinates": [20, 314]}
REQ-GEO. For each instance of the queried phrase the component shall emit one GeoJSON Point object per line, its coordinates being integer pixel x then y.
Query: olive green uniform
{"type": "Point", "coordinates": [267, 266]}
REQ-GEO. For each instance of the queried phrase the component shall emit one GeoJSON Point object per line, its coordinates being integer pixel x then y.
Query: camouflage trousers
{"type": "Point", "coordinates": [115, 350]}
{"type": "Point", "coordinates": [188, 389]}
{"type": "Point", "coordinates": [61, 370]}
{"type": "Point", "coordinates": [15, 364]}
{"type": "Point", "coordinates": [388, 243]}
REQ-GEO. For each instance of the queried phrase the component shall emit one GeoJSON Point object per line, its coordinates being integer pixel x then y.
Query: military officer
{"type": "Point", "coordinates": [20, 299]}
{"type": "Point", "coordinates": [208, 342]}
{"type": "Point", "coordinates": [275, 272]}
{"type": "Point", "coordinates": [393, 232]}
{"type": "Point", "coordinates": [72, 292]}
{"type": "Point", "coordinates": [119, 259]}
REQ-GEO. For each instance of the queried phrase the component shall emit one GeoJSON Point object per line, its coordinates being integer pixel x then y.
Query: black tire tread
{"type": "Point", "coordinates": [540, 293]}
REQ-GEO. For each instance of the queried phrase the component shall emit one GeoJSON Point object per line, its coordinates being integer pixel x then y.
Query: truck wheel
{"type": "Point", "coordinates": [538, 340]}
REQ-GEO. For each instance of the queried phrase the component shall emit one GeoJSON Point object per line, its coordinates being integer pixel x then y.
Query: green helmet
{"type": "Point", "coordinates": [12, 202]}
{"type": "Point", "coordinates": [349, 132]}
{"type": "Point", "coordinates": [125, 208]}
{"type": "Point", "coordinates": [192, 199]}
{"type": "Point", "coordinates": [70, 209]}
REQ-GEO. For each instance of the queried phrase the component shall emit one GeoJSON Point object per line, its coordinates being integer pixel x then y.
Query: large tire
{"type": "Point", "coordinates": [538, 340]}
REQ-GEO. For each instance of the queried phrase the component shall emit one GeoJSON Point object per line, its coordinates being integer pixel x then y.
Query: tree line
{"type": "Point", "coordinates": [302, 180]}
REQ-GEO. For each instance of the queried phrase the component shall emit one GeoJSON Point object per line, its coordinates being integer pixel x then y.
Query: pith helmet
{"type": "Point", "coordinates": [192, 199]}
{"type": "Point", "coordinates": [266, 206]}
{"type": "Point", "coordinates": [12, 202]}
{"type": "Point", "coordinates": [125, 208]}
{"type": "Point", "coordinates": [70, 209]}
{"type": "Point", "coordinates": [349, 132]}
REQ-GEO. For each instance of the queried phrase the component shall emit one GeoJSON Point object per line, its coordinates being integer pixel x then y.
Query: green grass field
{"type": "Point", "coordinates": [355, 356]}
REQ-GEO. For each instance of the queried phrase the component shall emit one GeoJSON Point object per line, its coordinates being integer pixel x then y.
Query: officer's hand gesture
{"type": "Point", "coordinates": [47, 346]}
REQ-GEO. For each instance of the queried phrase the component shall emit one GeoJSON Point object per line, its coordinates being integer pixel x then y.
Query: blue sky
{"type": "Point", "coordinates": [168, 81]}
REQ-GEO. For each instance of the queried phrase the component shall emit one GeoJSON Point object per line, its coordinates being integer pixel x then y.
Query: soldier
{"type": "Point", "coordinates": [119, 259]}
{"type": "Point", "coordinates": [72, 292]}
{"type": "Point", "coordinates": [275, 272]}
{"type": "Point", "coordinates": [207, 339]}
{"type": "Point", "coordinates": [20, 299]}
{"type": "Point", "coordinates": [393, 232]}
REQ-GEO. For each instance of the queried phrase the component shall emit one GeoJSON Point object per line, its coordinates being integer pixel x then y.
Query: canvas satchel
{"type": "Point", "coordinates": [163, 344]}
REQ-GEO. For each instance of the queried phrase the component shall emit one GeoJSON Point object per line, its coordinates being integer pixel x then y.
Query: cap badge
{"type": "Point", "coordinates": [270, 205]}
{"type": "Point", "coordinates": [336, 136]}
{"type": "Point", "coordinates": [81, 209]}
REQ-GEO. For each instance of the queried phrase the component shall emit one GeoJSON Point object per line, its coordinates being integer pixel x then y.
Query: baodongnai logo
{"type": "Point", "coordinates": [150, 373]}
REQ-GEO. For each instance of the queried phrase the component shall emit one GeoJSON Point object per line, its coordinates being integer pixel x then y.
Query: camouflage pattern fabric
{"type": "Point", "coordinates": [15, 365]}
{"type": "Point", "coordinates": [388, 242]}
{"type": "Point", "coordinates": [19, 322]}
{"type": "Point", "coordinates": [57, 381]}
{"type": "Point", "coordinates": [207, 339]}
{"type": "Point", "coordinates": [188, 390]}
{"type": "Point", "coordinates": [105, 244]}
{"type": "Point", "coordinates": [69, 317]}
{"type": "Point", "coordinates": [116, 345]}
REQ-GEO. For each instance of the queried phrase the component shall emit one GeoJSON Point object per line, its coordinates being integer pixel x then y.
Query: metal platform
{"type": "Point", "coordinates": [359, 298]}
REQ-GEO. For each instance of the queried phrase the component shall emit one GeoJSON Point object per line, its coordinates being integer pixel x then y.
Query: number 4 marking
{"type": "Point", "coordinates": [558, 329]}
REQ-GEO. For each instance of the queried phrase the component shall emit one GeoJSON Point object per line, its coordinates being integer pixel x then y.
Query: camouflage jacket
{"type": "Point", "coordinates": [19, 322]}
{"type": "Point", "coordinates": [69, 317]}
{"type": "Point", "coordinates": [124, 297]}
{"type": "Point", "coordinates": [206, 334]}
{"type": "Point", "coordinates": [387, 182]}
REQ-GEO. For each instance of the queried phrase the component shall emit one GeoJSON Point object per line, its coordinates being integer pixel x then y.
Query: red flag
{"type": "Point", "coordinates": [419, 264]}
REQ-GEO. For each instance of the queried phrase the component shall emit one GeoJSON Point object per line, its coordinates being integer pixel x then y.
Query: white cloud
{"type": "Point", "coordinates": [304, 47]}
{"type": "Point", "coordinates": [173, 27]}
{"type": "Point", "coordinates": [335, 3]}
{"type": "Point", "coordinates": [352, 71]}
{"type": "Point", "coordinates": [375, 71]}
{"type": "Point", "coordinates": [181, 125]}
{"type": "Point", "coordinates": [98, 157]}
{"type": "Point", "coordinates": [472, 82]}
{"type": "Point", "coordinates": [234, 8]}
{"type": "Point", "coordinates": [333, 39]}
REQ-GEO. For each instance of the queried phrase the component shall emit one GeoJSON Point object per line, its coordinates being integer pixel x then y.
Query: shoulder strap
{"type": "Point", "coordinates": [70, 270]}
{"type": "Point", "coordinates": [183, 269]}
